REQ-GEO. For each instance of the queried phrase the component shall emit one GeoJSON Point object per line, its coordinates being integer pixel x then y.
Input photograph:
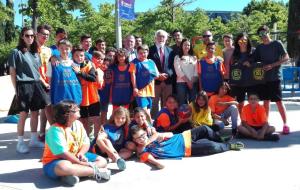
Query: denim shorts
{"type": "Point", "coordinates": [49, 169]}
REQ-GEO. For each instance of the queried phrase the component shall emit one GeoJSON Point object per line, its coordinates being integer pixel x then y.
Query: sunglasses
{"type": "Point", "coordinates": [142, 136]}
{"type": "Point", "coordinates": [206, 36]}
{"type": "Point", "coordinates": [44, 34]}
{"type": "Point", "coordinates": [242, 41]}
{"type": "Point", "coordinates": [262, 33]}
{"type": "Point", "coordinates": [29, 35]}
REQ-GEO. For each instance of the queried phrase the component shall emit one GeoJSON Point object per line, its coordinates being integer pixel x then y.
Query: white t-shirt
{"type": "Point", "coordinates": [185, 66]}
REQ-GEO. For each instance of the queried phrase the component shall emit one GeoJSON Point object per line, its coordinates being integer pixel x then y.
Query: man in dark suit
{"type": "Point", "coordinates": [159, 53]}
{"type": "Point", "coordinates": [177, 37]}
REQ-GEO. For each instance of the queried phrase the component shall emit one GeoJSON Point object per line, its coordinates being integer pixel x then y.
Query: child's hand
{"type": "Point", "coordinates": [76, 69]}
{"type": "Point", "coordinates": [54, 61]}
{"type": "Point", "coordinates": [135, 92]}
{"type": "Point", "coordinates": [81, 157]}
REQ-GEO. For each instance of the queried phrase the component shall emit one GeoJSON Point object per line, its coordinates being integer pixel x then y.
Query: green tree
{"type": "Point", "coordinates": [294, 29]}
{"type": "Point", "coordinates": [9, 31]}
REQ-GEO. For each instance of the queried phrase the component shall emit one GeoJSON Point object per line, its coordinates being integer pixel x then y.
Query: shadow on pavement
{"type": "Point", "coordinates": [8, 143]}
{"type": "Point", "coordinates": [285, 140]}
{"type": "Point", "coordinates": [34, 176]}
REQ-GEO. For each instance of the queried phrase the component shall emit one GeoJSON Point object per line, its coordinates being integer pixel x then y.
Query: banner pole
{"type": "Point", "coordinates": [118, 25]}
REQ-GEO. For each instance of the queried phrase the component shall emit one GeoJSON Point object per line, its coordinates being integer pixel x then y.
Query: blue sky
{"type": "Point", "coordinates": [144, 5]}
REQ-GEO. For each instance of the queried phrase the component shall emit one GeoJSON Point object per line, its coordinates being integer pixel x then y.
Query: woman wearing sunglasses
{"type": "Point", "coordinates": [24, 63]}
{"type": "Point", "coordinates": [241, 60]}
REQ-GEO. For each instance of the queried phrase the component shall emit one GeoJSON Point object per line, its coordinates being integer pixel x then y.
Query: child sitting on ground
{"type": "Point", "coordinates": [201, 113]}
{"type": "Point", "coordinates": [111, 141]}
{"type": "Point", "coordinates": [66, 148]}
{"type": "Point", "coordinates": [255, 122]}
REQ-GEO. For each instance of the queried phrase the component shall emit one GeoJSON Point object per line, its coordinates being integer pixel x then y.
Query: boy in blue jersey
{"type": "Point", "coordinates": [143, 72]}
{"type": "Point", "coordinates": [63, 80]}
{"type": "Point", "coordinates": [211, 71]}
{"type": "Point", "coordinates": [196, 142]}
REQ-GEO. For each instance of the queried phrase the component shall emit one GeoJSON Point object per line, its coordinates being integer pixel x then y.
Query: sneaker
{"type": "Point", "coordinates": [237, 146]}
{"type": "Point", "coordinates": [285, 130]}
{"type": "Point", "coordinates": [102, 173]}
{"type": "Point", "coordinates": [22, 148]}
{"type": "Point", "coordinates": [36, 144]}
{"type": "Point", "coordinates": [121, 164]}
{"type": "Point", "coordinates": [272, 137]}
{"type": "Point", "coordinates": [70, 180]}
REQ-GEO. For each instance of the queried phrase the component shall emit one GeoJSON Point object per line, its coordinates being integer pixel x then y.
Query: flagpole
{"type": "Point", "coordinates": [118, 25]}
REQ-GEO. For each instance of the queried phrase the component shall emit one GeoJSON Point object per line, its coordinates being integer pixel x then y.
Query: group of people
{"type": "Point", "coordinates": [73, 87]}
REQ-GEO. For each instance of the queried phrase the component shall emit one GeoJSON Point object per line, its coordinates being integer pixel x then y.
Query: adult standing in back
{"type": "Point", "coordinates": [24, 63]}
{"type": "Point", "coordinates": [159, 53]}
{"type": "Point", "coordinates": [129, 43]}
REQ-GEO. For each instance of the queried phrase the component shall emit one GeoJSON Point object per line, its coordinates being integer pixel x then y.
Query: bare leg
{"type": "Point", "coordinates": [66, 168]}
{"type": "Point", "coordinates": [125, 153]}
{"type": "Point", "coordinates": [282, 111]}
{"type": "Point", "coordinates": [21, 123]}
{"type": "Point", "coordinates": [106, 146]}
{"type": "Point", "coordinates": [247, 131]}
{"type": "Point", "coordinates": [34, 119]}
{"type": "Point", "coordinates": [267, 107]}
{"type": "Point", "coordinates": [96, 122]}
{"type": "Point", "coordinates": [43, 121]}
{"type": "Point", "coordinates": [155, 162]}
{"type": "Point", "coordinates": [49, 114]}
{"type": "Point", "coordinates": [103, 117]}
{"type": "Point", "coordinates": [100, 162]}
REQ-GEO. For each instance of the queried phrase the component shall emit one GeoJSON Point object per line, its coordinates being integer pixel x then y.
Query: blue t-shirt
{"type": "Point", "coordinates": [171, 148]}
{"type": "Point", "coordinates": [117, 135]}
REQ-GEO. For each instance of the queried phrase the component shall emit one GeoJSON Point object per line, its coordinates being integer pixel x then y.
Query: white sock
{"type": "Point", "coordinates": [20, 139]}
{"type": "Point", "coordinates": [34, 136]}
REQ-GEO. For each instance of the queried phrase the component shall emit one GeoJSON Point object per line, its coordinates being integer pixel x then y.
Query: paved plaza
{"type": "Point", "coordinates": [261, 165]}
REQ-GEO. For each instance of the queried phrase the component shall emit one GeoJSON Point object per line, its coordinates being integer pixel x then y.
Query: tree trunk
{"type": "Point", "coordinates": [9, 30]}
{"type": "Point", "coordinates": [293, 35]}
{"type": "Point", "coordinates": [35, 17]}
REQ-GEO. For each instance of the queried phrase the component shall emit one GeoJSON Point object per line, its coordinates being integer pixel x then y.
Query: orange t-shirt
{"type": "Point", "coordinates": [215, 107]}
{"type": "Point", "coordinates": [256, 118]}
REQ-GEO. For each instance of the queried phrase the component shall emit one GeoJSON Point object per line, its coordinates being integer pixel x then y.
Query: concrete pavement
{"type": "Point", "coordinates": [262, 165]}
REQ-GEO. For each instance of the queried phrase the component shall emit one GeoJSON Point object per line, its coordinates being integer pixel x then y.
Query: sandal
{"type": "Point", "coordinates": [285, 130]}
{"type": "Point", "coordinates": [237, 146]}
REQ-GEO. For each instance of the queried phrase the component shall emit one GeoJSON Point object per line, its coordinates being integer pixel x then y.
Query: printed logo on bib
{"type": "Point", "coordinates": [236, 74]}
{"type": "Point", "coordinates": [121, 77]}
{"type": "Point", "coordinates": [258, 73]}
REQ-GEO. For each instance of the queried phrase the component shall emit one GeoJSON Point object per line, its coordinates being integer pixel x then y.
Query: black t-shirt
{"type": "Point", "coordinates": [268, 54]}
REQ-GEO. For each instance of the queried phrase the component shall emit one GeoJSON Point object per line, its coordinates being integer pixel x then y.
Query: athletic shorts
{"type": "Point", "coordinates": [31, 96]}
{"type": "Point", "coordinates": [144, 102]}
{"type": "Point", "coordinates": [270, 91]}
{"type": "Point", "coordinates": [90, 111]}
{"type": "Point", "coordinates": [49, 169]}
{"type": "Point", "coordinates": [239, 92]}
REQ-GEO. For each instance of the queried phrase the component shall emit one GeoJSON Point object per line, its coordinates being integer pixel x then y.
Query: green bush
{"type": "Point", "coordinates": [5, 50]}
